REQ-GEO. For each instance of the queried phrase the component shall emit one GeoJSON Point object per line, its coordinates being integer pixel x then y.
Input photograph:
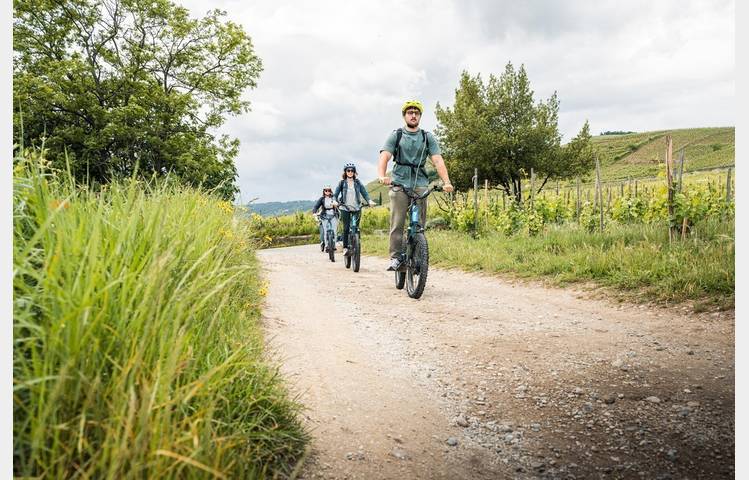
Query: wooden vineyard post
{"type": "Point", "coordinates": [557, 188]}
{"type": "Point", "coordinates": [577, 202]}
{"type": "Point", "coordinates": [681, 167]}
{"type": "Point", "coordinates": [486, 202]}
{"type": "Point", "coordinates": [533, 186]}
{"type": "Point", "coordinates": [599, 193]}
{"type": "Point", "coordinates": [475, 202]}
{"type": "Point", "coordinates": [670, 183]}
{"type": "Point", "coordinates": [608, 203]}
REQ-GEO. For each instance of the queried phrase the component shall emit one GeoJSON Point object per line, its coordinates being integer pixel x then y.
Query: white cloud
{"type": "Point", "coordinates": [335, 73]}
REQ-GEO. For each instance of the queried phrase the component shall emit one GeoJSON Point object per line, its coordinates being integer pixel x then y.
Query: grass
{"type": "Point", "coordinates": [633, 259]}
{"type": "Point", "coordinates": [136, 346]}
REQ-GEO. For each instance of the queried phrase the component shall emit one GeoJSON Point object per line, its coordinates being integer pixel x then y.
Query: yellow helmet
{"type": "Point", "coordinates": [414, 104]}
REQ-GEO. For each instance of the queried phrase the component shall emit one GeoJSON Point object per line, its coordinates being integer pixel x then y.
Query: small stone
{"type": "Point", "coordinates": [617, 363]}
{"type": "Point", "coordinates": [399, 453]}
{"type": "Point", "coordinates": [653, 399]}
{"type": "Point", "coordinates": [671, 455]}
{"type": "Point", "coordinates": [609, 399]}
{"type": "Point", "coordinates": [693, 404]}
{"type": "Point", "coordinates": [535, 427]}
{"type": "Point", "coordinates": [537, 465]}
{"type": "Point", "coordinates": [578, 391]}
{"type": "Point", "coordinates": [461, 421]}
{"type": "Point", "coordinates": [452, 441]}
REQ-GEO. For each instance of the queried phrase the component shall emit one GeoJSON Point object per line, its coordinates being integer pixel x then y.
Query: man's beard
{"type": "Point", "coordinates": [415, 123]}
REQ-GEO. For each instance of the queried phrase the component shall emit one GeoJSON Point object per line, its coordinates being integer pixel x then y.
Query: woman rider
{"type": "Point", "coordinates": [351, 194]}
{"type": "Point", "coordinates": [327, 209]}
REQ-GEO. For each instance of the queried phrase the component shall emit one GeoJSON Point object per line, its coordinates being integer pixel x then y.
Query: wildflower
{"type": "Point", "coordinates": [55, 204]}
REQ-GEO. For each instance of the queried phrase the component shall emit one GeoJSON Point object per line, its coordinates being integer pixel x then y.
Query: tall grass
{"type": "Point", "coordinates": [632, 258]}
{"type": "Point", "coordinates": [137, 351]}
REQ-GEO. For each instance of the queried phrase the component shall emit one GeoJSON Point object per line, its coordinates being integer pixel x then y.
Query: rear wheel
{"type": "Point", "coordinates": [356, 252]}
{"type": "Point", "coordinates": [417, 267]}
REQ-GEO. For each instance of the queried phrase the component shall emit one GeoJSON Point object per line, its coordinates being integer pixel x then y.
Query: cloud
{"type": "Point", "coordinates": [335, 73]}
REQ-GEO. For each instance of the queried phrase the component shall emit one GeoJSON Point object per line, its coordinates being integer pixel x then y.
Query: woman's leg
{"type": "Point", "coordinates": [346, 217]}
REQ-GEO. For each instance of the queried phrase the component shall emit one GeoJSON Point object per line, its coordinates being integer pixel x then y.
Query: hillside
{"type": "Point", "coordinates": [639, 155]}
{"type": "Point", "coordinates": [271, 209]}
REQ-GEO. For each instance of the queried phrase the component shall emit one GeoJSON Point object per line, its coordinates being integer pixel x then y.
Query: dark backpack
{"type": "Point", "coordinates": [396, 156]}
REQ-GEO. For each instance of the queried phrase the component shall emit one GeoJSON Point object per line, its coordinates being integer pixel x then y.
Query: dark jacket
{"type": "Point", "coordinates": [340, 191]}
{"type": "Point", "coordinates": [319, 206]}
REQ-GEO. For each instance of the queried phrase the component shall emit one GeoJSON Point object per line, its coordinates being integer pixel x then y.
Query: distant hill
{"type": "Point", "coordinates": [639, 155]}
{"type": "Point", "coordinates": [271, 209]}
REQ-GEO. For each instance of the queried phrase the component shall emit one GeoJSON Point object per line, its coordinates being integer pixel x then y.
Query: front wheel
{"type": "Point", "coordinates": [356, 252]}
{"type": "Point", "coordinates": [331, 246]}
{"type": "Point", "coordinates": [417, 267]}
{"type": "Point", "coordinates": [400, 280]}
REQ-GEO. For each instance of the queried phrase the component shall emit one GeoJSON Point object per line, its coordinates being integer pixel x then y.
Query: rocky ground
{"type": "Point", "coordinates": [490, 378]}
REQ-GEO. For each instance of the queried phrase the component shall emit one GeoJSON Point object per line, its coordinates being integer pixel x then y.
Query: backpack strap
{"type": "Point", "coordinates": [398, 136]}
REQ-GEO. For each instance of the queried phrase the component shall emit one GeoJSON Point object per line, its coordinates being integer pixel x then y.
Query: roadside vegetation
{"type": "Point", "coordinates": [137, 351]}
{"type": "Point", "coordinates": [636, 260]}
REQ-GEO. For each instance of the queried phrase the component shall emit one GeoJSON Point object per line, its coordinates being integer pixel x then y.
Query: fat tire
{"type": "Point", "coordinates": [356, 255]}
{"type": "Point", "coordinates": [400, 280]}
{"type": "Point", "coordinates": [331, 246]}
{"type": "Point", "coordinates": [417, 267]}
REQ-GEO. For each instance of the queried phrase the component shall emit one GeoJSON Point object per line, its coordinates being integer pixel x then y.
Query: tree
{"type": "Point", "coordinates": [498, 129]}
{"type": "Point", "coordinates": [119, 86]}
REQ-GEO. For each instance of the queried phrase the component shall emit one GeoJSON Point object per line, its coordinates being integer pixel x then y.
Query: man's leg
{"type": "Point", "coordinates": [422, 210]}
{"type": "Point", "coordinates": [398, 207]}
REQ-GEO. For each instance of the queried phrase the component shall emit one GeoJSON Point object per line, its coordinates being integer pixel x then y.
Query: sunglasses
{"type": "Point", "coordinates": [413, 112]}
{"type": "Point", "coordinates": [327, 190]}
{"type": "Point", "coordinates": [350, 170]}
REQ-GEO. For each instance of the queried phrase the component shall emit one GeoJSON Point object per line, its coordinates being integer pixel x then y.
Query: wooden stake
{"type": "Point", "coordinates": [598, 190]}
{"type": "Point", "coordinates": [670, 183]}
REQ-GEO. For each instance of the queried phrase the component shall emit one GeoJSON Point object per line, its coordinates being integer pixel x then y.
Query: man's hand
{"type": "Point", "coordinates": [372, 203]}
{"type": "Point", "coordinates": [448, 187]}
{"type": "Point", "coordinates": [335, 204]}
{"type": "Point", "coordinates": [385, 180]}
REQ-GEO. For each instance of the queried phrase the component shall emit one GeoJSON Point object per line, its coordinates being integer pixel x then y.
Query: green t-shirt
{"type": "Point", "coordinates": [413, 152]}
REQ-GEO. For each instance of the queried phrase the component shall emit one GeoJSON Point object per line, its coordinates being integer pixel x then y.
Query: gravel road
{"type": "Point", "coordinates": [485, 377]}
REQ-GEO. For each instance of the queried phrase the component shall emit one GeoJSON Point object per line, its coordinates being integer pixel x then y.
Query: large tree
{"type": "Point", "coordinates": [498, 129]}
{"type": "Point", "coordinates": [119, 86]}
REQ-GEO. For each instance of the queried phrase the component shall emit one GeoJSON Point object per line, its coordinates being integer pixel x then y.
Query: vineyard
{"type": "Point", "coordinates": [701, 196]}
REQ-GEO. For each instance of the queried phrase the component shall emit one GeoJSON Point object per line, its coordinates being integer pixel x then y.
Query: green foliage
{"type": "Point", "coordinates": [137, 350]}
{"type": "Point", "coordinates": [637, 260]}
{"type": "Point", "coordinates": [498, 129]}
{"type": "Point", "coordinates": [270, 231]}
{"type": "Point", "coordinates": [119, 86]}
{"type": "Point", "coordinates": [699, 201]}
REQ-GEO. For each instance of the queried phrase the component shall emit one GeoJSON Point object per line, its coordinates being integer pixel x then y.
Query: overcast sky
{"type": "Point", "coordinates": [336, 73]}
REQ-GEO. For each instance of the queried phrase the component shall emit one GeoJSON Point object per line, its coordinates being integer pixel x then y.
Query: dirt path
{"type": "Point", "coordinates": [486, 378]}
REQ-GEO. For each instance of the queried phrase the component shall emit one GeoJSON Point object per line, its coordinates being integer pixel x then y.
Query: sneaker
{"type": "Point", "coordinates": [395, 264]}
{"type": "Point", "coordinates": [347, 252]}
